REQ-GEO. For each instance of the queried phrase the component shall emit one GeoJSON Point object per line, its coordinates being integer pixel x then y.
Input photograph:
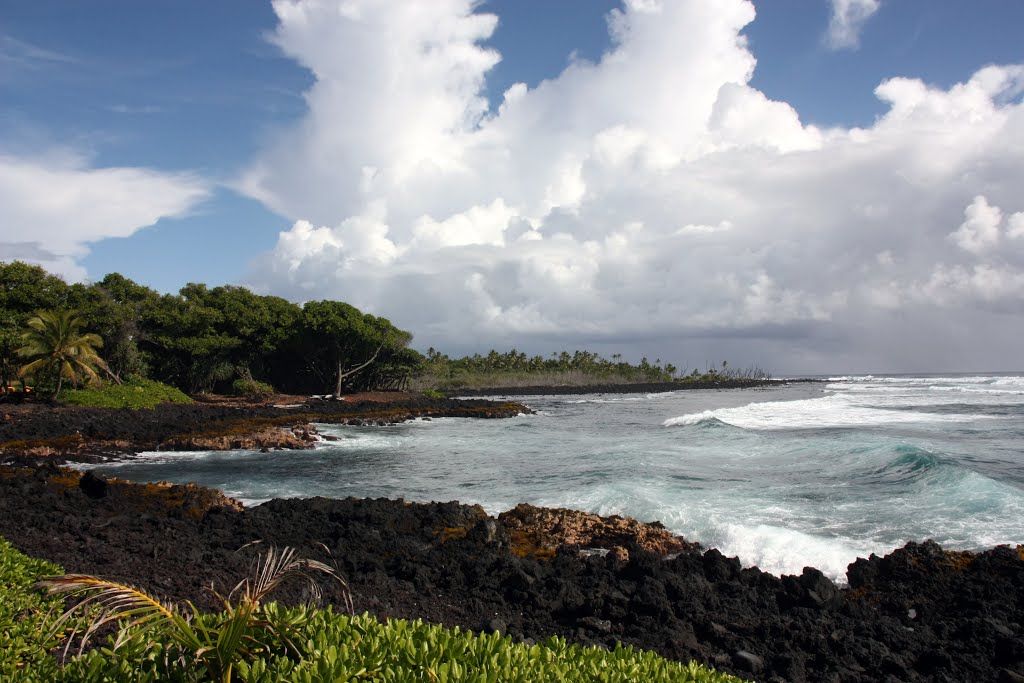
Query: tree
{"type": "Point", "coordinates": [57, 346]}
{"type": "Point", "coordinates": [25, 289]}
{"type": "Point", "coordinates": [339, 342]}
{"type": "Point", "coordinates": [111, 308]}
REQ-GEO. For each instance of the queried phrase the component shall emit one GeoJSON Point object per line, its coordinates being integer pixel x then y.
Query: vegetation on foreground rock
{"type": "Point", "coordinates": [26, 617]}
{"type": "Point", "coordinates": [253, 640]}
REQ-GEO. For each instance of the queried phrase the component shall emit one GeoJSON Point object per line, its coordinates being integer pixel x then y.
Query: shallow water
{"type": "Point", "coordinates": [808, 474]}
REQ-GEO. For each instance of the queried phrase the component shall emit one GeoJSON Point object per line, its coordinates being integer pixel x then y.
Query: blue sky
{"type": "Point", "coordinates": [210, 118]}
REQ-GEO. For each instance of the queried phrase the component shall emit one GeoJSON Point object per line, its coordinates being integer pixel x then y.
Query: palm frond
{"type": "Point", "coordinates": [34, 367]}
{"type": "Point", "coordinates": [115, 602]}
{"type": "Point", "coordinates": [213, 645]}
{"type": "Point", "coordinates": [275, 566]}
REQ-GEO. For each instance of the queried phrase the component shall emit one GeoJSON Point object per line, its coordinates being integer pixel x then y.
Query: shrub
{"type": "Point", "coordinates": [433, 393]}
{"type": "Point", "coordinates": [26, 617]}
{"type": "Point", "coordinates": [337, 647]}
{"type": "Point", "coordinates": [136, 394]}
{"type": "Point", "coordinates": [208, 647]}
{"type": "Point", "coordinates": [257, 642]}
{"type": "Point", "coordinates": [247, 386]}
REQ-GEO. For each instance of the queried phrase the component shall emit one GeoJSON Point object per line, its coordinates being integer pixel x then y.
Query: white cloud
{"type": "Point", "coordinates": [980, 232]}
{"type": "Point", "coordinates": [1016, 226]}
{"type": "Point", "coordinates": [652, 200]}
{"type": "Point", "coordinates": [53, 205]}
{"type": "Point", "coordinates": [984, 228]}
{"type": "Point", "coordinates": [847, 20]}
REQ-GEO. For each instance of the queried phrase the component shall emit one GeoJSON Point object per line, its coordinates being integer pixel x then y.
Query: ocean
{"type": "Point", "coordinates": [810, 474]}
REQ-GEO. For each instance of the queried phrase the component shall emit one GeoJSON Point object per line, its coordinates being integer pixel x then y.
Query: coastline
{"type": "Point", "coordinates": [630, 388]}
{"type": "Point", "coordinates": [918, 614]}
{"type": "Point", "coordinates": [39, 431]}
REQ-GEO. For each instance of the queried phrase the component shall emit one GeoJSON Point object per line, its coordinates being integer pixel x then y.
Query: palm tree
{"type": "Point", "coordinates": [55, 343]}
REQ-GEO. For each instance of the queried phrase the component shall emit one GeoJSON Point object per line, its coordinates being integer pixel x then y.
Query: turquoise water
{"type": "Point", "coordinates": [809, 474]}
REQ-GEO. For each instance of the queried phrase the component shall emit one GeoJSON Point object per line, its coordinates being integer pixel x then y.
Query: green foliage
{"type": "Point", "coordinates": [433, 393]}
{"type": "Point", "coordinates": [26, 617]}
{"type": "Point", "coordinates": [580, 368]}
{"type": "Point", "coordinates": [195, 646]}
{"type": "Point", "coordinates": [26, 288]}
{"type": "Point", "coordinates": [516, 368]}
{"type": "Point", "coordinates": [111, 308]}
{"type": "Point", "coordinates": [259, 642]}
{"type": "Point", "coordinates": [201, 339]}
{"type": "Point", "coordinates": [135, 394]}
{"type": "Point", "coordinates": [247, 386]}
{"type": "Point", "coordinates": [348, 349]}
{"type": "Point", "coordinates": [57, 349]}
{"type": "Point", "coordinates": [341, 648]}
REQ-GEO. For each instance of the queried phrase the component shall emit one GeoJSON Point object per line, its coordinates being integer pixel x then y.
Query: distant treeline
{"type": "Point", "coordinates": [579, 368]}
{"type": "Point", "coordinates": [228, 339]}
{"type": "Point", "coordinates": [515, 367]}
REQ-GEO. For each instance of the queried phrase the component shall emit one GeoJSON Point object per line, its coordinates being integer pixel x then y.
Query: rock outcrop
{"type": "Point", "coordinates": [920, 613]}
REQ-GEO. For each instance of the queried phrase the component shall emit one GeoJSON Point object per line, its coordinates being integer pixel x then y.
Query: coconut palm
{"type": "Point", "coordinates": [198, 646]}
{"type": "Point", "coordinates": [57, 346]}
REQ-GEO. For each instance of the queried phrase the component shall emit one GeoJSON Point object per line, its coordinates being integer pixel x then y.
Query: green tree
{"type": "Point", "coordinates": [185, 341]}
{"type": "Point", "coordinates": [339, 342]}
{"type": "Point", "coordinates": [56, 347]}
{"type": "Point", "coordinates": [111, 308]}
{"type": "Point", "coordinates": [10, 341]}
{"type": "Point", "coordinates": [25, 289]}
{"type": "Point", "coordinates": [264, 326]}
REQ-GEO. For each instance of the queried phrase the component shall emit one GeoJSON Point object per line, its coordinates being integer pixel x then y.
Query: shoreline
{"type": "Point", "coordinates": [919, 614]}
{"type": "Point", "coordinates": [34, 432]}
{"type": "Point", "coordinates": [630, 388]}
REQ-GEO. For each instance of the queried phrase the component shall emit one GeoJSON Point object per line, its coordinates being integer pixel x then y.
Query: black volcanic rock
{"type": "Point", "coordinates": [918, 614]}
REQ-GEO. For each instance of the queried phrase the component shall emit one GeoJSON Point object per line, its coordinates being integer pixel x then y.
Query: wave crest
{"type": "Point", "coordinates": [691, 419]}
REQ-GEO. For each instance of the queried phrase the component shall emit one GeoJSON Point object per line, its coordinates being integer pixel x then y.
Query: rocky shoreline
{"type": "Point", "coordinates": [918, 614]}
{"type": "Point", "coordinates": [31, 432]}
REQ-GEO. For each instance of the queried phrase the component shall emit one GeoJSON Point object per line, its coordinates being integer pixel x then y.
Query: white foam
{"type": "Point", "coordinates": [828, 411]}
{"type": "Point", "coordinates": [691, 419]}
{"type": "Point", "coordinates": [918, 381]}
{"type": "Point", "coordinates": [780, 551]}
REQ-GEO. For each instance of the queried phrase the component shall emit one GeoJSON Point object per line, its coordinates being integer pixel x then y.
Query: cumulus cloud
{"type": "Point", "coordinates": [53, 205]}
{"type": "Point", "coordinates": [652, 201]}
{"type": "Point", "coordinates": [980, 232]}
{"type": "Point", "coordinates": [847, 19]}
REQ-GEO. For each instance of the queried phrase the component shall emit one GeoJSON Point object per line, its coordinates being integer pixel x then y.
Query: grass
{"type": "Point", "coordinates": [256, 641]}
{"type": "Point", "coordinates": [135, 394]}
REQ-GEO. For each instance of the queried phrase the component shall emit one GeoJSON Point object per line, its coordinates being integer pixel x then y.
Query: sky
{"type": "Point", "coordinates": [809, 186]}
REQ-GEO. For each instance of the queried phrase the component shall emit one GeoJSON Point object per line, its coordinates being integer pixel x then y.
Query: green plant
{"type": "Point", "coordinates": [27, 618]}
{"type": "Point", "coordinates": [194, 646]}
{"type": "Point", "coordinates": [360, 648]}
{"type": "Point", "coordinates": [58, 349]}
{"type": "Point", "coordinates": [433, 393]}
{"type": "Point", "coordinates": [246, 386]}
{"type": "Point", "coordinates": [135, 394]}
